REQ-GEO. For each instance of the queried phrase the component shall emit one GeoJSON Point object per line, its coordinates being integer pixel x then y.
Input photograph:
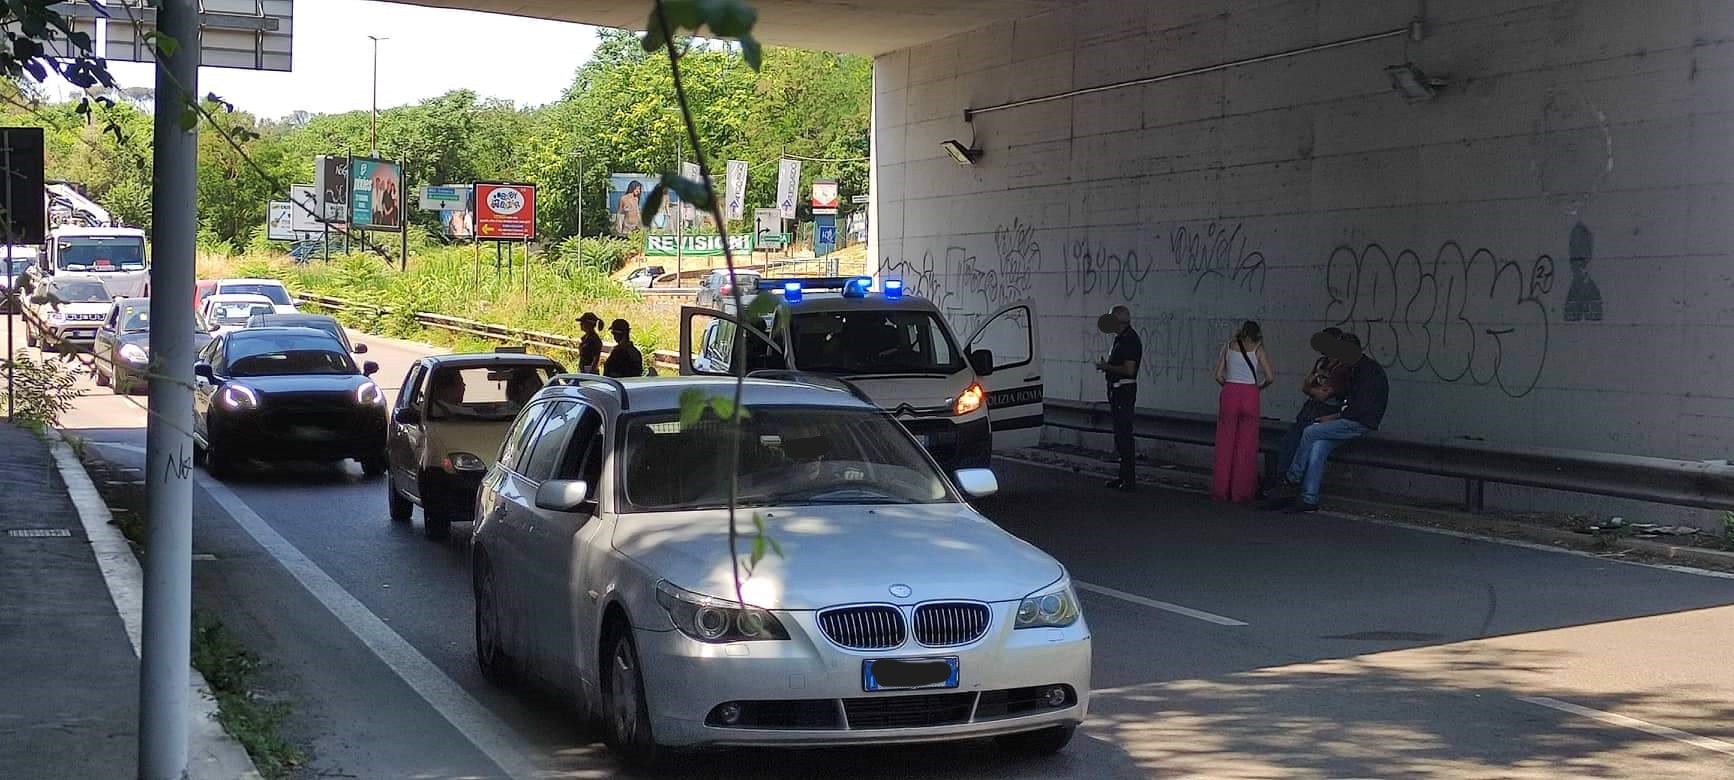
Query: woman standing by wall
{"type": "Point", "coordinates": [1243, 369]}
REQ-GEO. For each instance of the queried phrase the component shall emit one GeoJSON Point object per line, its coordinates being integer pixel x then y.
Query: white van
{"type": "Point", "coordinates": [114, 256]}
{"type": "Point", "coordinates": [962, 399]}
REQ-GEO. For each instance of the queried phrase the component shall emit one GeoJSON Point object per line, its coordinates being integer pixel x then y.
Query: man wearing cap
{"type": "Point", "coordinates": [1121, 370]}
{"type": "Point", "coordinates": [1363, 409]}
{"type": "Point", "coordinates": [624, 360]}
{"type": "Point", "coordinates": [590, 346]}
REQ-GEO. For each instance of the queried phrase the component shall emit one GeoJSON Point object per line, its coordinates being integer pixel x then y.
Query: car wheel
{"type": "Point", "coordinates": [1045, 742]}
{"type": "Point", "coordinates": [121, 382]}
{"type": "Point", "coordinates": [491, 654]}
{"type": "Point", "coordinates": [217, 461]}
{"type": "Point", "coordinates": [625, 716]}
{"type": "Point", "coordinates": [400, 507]}
{"type": "Point", "coordinates": [435, 524]}
{"type": "Point", "coordinates": [100, 378]}
{"type": "Point", "coordinates": [373, 468]}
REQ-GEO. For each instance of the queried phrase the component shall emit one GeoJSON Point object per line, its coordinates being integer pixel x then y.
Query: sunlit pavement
{"type": "Point", "coordinates": [1229, 643]}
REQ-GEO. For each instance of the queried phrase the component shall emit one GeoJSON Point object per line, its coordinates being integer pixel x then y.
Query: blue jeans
{"type": "Point", "coordinates": [1316, 446]}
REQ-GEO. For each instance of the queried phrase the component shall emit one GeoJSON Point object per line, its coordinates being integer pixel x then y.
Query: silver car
{"type": "Point", "coordinates": [895, 612]}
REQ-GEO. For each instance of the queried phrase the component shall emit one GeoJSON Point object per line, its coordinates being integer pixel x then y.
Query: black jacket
{"type": "Point", "coordinates": [1369, 391]}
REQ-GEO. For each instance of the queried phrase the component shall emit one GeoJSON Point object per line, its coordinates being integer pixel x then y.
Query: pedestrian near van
{"type": "Point", "coordinates": [1121, 370]}
{"type": "Point", "coordinates": [1323, 387]}
{"type": "Point", "coordinates": [1242, 369]}
{"type": "Point", "coordinates": [1363, 409]}
{"type": "Point", "coordinates": [590, 345]}
{"type": "Point", "coordinates": [624, 360]}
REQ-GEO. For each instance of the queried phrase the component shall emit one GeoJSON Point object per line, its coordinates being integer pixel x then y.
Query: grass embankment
{"type": "Point", "coordinates": [445, 281]}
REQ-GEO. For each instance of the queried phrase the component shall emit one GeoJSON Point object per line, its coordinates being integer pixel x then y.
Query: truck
{"type": "Point", "coordinates": [114, 256]}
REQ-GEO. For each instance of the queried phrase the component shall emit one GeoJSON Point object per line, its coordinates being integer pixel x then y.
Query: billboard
{"type": "Point", "coordinates": [279, 224]}
{"type": "Point", "coordinates": [505, 211]}
{"type": "Point", "coordinates": [735, 191]}
{"type": "Point", "coordinates": [695, 245]}
{"type": "Point", "coordinates": [305, 205]}
{"type": "Point", "coordinates": [26, 222]}
{"type": "Point", "coordinates": [375, 194]}
{"type": "Point", "coordinates": [825, 194]}
{"type": "Point", "coordinates": [788, 181]}
{"type": "Point", "coordinates": [331, 179]}
{"type": "Point", "coordinates": [452, 201]}
{"type": "Point", "coordinates": [627, 195]}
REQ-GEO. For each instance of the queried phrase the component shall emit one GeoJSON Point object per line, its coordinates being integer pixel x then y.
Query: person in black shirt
{"type": "Point", "coordinates": [590, 346]}
{"type": "Point", "coordinates": [624, 360]}
{"type": "Point", "coordinates": [1121, 370]}
{"type": "Point", "coordinates": [1363, 409]}
{"type": "Point", "coordinates": [1323, 386]}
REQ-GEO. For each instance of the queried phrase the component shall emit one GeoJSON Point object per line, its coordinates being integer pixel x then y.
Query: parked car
{"type": "Point", "coordinates": [202, 289]}
{"type": "Point", "coordinates": [322, 322]}
{"type": "Point", "coordinates": [270, 288]}
{"type": "Point", "coordinates": [717, 289]}
{"type": "Point", "coordinates": [228, 312]}
{"type": "Point", "coordinates": [123, 345]}
{"type": "Point", "coordinates": [65, 312]}
{"type": "Point", "coordinates": [451, 414]}
{"type": "Point", "coordinates": [12, 274]}
{"type": "Point", "coordinates": [283, 394]}
{"type": "Point", "coordinates": [895, 613]}
{"type": "Point", "coordinates": [644, 278]}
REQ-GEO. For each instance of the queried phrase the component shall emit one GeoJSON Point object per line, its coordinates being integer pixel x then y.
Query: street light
{"type": "Point", "coordinates": [373, 132]}
{"type": "Point", "coordinates": [579, 156]}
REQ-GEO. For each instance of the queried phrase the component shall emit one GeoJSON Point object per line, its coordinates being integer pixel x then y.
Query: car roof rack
{"type": "Point", "coordinates": [579, 380]}
{"type": "Point", "coordinates": [812, 380]}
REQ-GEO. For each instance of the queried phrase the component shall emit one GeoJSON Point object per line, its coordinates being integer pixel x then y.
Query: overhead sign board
{"type": "Point", "coordinates": [505, 211]}
{"type": "Point", "coordinates": [245, 34]}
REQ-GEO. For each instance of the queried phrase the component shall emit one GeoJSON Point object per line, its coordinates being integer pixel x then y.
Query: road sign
{"type": "Point", "coordinates": [825, 194]}
{"type": "Point", "coordinates": [828, 234]}
{"type": "Point", "coordinates": [505, 212]}
{"type": "Point", "coordinates": [860, 199]}
{"type": "Point", "coordinates": [245, 34]}
{"type": "Point", "coordinates": [448, 197]}
{"type": "Point", "coordinates": [22, 191]}
{"type": "Point", "coordinates": [788, 182]}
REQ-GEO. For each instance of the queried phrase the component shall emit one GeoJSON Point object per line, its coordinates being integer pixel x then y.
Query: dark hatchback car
{"type": "Point", "coordinates": [285, 394]}
{"type": "Point", "coordinates": [123, 345]}
{"type": "Point", "coordinates": [322, 322]}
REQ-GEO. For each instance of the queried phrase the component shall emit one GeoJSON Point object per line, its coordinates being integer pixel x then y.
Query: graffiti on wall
{"type": "Point", "coordinates": [1583, 300]}
{"type": "Point", "coordinates": [1218, 252]}
{"type": "Point", "coordinates": [1463, 316]}
{"type": "Point", "coordinates": [1093, 269]}
{"type": "Point", "coordinates": [966, 288]}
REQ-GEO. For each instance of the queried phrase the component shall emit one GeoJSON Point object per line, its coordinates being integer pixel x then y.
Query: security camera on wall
{"type": "Point", "coordinates": [962, 154]}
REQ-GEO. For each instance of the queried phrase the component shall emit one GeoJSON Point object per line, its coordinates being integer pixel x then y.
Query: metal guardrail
{"type": "Point", "coordinates": [1698, 484]}
{"type": "Point", "coordinates": [664, 360]}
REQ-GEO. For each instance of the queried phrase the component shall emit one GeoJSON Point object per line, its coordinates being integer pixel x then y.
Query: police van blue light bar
{"type": "Point", "coordinates": [893, 289]}
{"type": "Point", "coordinates": [792, 292]}
{"type": "Point", "coordinates": [857, 287]}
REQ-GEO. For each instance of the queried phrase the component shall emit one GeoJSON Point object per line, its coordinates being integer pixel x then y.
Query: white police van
{"type": "Point", "coordinates": [962, 399]}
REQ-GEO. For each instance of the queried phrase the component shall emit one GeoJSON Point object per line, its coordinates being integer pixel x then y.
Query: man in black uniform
{"type": "Point", "coordinates": [624, 360]}
{"type": "Point", "coordinates": [590, 345]}
{"type": "Point", "coordinates": [1121, 370]}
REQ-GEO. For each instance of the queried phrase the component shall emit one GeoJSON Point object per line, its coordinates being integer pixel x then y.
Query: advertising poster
{"type": "Point", "coordinates": [279, 226]}
{"type": "Point", "coordinates": [825, 195]}
{"type": "Point", "coordinates": [452, 201]}
{"type": "Point", "coordinates": [627, 195]}
{"type": "Point", "coordinates": [788, 183]}
{"type": "Point", "coordinates": [331, 179]}
{"type": "Point", "coordinates": [505, 211]}
{"type": "Point", "coordinates": [735, 192]}
{"type": "Point", "coordinates": [376, 194]}
{"type": "Point", "coordinates": [305, 206]}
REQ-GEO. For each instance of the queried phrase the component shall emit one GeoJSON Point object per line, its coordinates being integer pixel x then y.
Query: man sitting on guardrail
{"type": "Point", "coordinates": [1363, 410]}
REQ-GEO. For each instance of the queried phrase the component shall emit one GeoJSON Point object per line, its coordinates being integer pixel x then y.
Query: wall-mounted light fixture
{"type": "Point", "coordinates": [964, 155]}
{"type": "Point", "coordinates": [1412, 84]}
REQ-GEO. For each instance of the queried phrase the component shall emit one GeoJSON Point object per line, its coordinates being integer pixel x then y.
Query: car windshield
{"type": "Point", "coordinates": [275, 293]}
{"type": "Point", "coordinates": [870, 341]}
{"type": "Point", "coordinates": [487, 393]}
{"type": "Point", "coordinates": [237, 313]}
{"type": "Point", "coordinates": [277, 354]}
{"type": "Point", "coordinates": [789, 456]}
{"type": "Point", "coordinates": [135, 319]}
{"type": "Point", "coordinates": [18, 267]}
{"type": "Point", "coordinates": [79, 291]}
{"type": "Point", "coordinates": [101, 253]}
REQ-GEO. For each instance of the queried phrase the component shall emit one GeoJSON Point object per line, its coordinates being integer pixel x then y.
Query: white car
{"type": "Point", "coordinates": [14, 266]}
{"type": "Point", "coordinates": [65, 312]}
{"type": "Point", "coordinates": [270, 288]}
{"type": "Point", "coordinates": [895, 613]}
{"type": "Point", "coordinates": [227, 312]}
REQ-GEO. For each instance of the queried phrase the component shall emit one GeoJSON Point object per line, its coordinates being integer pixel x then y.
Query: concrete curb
{"type": "Point", "coordinates": [1492, 529]}
{"type": "Point", "coordinates": [211, 753]}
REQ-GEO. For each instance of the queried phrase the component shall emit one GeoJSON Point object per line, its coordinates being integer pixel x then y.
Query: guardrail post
{"type": "Point", "coordinates": [1474, 494]}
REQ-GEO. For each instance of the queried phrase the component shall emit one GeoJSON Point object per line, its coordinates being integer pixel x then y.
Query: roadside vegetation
{"type": "Point", "coordinates": [257, 723]}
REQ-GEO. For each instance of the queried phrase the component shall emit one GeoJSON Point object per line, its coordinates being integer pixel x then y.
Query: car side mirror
{"type": "Point", "coordinates": [203, 371]}
{"type": "Point", "coordinates": [982, 361]}
{"type": "Point", "coordinates": [562, 495]}
{"type": "Point", "coordinates": [369, 368]}
{"type": "Point", "coordinates": [360, 349]}
{"type": "Point", "coordinates": [408, 415]}
{"type": "Point", "coordinates": [978, 483]}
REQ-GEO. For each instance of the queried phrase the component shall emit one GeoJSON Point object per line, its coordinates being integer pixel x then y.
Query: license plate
{"type": "Point", "coordinates": [309, 432]}
{"type": "Point", "coordinates": [907, 674]}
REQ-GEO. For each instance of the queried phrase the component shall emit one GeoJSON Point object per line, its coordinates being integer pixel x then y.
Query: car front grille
{"type": "Point", "coordinates": [949, 624]}
{"type": "Point", "coordinates": [863, 628]}
{"type": "Point", "coordinates": [897, 711]}
{"type": "Point", "coordinates": [936, 709]}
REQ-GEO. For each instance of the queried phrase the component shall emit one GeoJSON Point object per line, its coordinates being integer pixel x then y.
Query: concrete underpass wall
{"type": "Point", "coordinates": [1540, 255]}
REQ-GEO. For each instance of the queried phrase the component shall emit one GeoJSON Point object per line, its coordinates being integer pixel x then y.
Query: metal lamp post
{"type": "Point", "coordinates": [373, 129]}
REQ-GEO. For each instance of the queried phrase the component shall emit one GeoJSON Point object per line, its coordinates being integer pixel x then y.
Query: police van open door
{"type": "Point", "coordinates": [708, 344]}
{"type": "Point", "coordinates": [1014, 386]}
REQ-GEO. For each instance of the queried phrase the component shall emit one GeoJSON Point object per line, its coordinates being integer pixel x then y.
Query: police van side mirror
{"type": "Point", "coordinates": [981, 361]}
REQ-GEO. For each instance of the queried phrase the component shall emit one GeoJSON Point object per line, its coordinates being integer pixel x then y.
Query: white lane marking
{"type": "Point", "coordinates": [483, 729]}
{"type": "Point", "coordinates": [1645, 726]}
{"type": "Point", "coordinates": [1081, 471]}
{"type": "Point", "coordinates": [1165, 606]}
{"type": "Point", "coordinates": [115, 445]}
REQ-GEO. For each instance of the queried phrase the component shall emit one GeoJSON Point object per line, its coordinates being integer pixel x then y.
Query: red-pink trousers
{"type": "Point", "coordinates": [1235, 477]}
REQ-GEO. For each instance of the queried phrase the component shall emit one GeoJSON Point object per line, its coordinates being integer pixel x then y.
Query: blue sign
{"type": "Point", "coordinates": [828, 234]}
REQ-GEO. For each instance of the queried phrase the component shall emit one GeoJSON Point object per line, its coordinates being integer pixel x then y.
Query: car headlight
{"type": "Point", "coordinates": [717, 620]}
{"type": "Point", "coordinates": [237, 397]}
{"type": "Point", "coordinates": [133, 353]}
{"type": "Point", "coordinates": [462, 461]}
{"type": "Point", "coordinates": [369, 393]}
{"type": "Point", "coordinates": [971, 399]}
{"type": "Point", "coordinates": [1052, 607]}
